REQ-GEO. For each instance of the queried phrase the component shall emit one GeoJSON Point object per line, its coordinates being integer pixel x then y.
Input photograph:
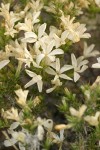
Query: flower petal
{"type": "Point", "coordinates": [76, 76]}
{"type": "Point", "coordinates": [30, 73]}
{"type": "Point", "coordinates": [41, 30]}
{"type": "Point", "coordinates": [74, 60]}
{"type": "Point", "coordinates": [40, 85]}
{"type": "Point", "coordinates": [96, 65]}
{"type": "Point", "coordinates": [66, 68]}
{"type": "Point", "coordinates": [57, 52]}
{"type": "Point", "coordinates": [50, 46]}
{"type": "Point", "coordinates": [3, 63]}
{"type": "Point", "coordinates": [39, 58]}
{"type": "Point", "coordinates": [33, 81]}
{"type": "Point", "coordinates": [64, 76]}
{"type": "Point", "coordinates": [50, 71]}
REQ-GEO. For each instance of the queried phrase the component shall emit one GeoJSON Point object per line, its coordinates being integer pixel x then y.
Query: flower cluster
{"type": "Point", "coordinates": [40, 49]}
{"type": "Point", "coordinates": [37, 42]}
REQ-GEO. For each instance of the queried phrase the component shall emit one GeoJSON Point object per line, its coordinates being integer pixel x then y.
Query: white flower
{"type": "Point", "coordinates": [21, 53]}
{"type": "Point", "coordinates": [79, 66]}
{"type": "Point", "coordinates": [22, 96]}
{"type": "Point", "coordinates": [27, 26]}
{"type": "Point", "coordinates": [93, 120]}
{"type": "Point", "coordinates": [48, 54]}
{"type": "Point", "coordinates": [59, 71]}
{"type": "Point", "coordinates": [35, 79]}
{"type": "Point", "coordinates": [11, 114]}
{"type": "Point", "coordinates": [31, 37]}
{"type": "Point", "coordinates": [43, 123]}
{"type": "Point", "coordinates": [40, 132]}
{"type": "Point", "coordinates": [97, 2]}
{"type": "Point", "coordinates": [16, 137]}
{"type": "Point", "coordinates": [10, 31]}
{"type": "Point", "coordinates": [59, 40]}
{"type": "Point", "coordinates": [16, 49]}
{"type": "Point", "coordinates": [78, 113]}
{"type": "Point", "coordinates": [56, 35]}
{"type": "Point", "coordinates": [36, 5]}
{"type": "Point", "coordinates": [22, 138]}
{"type": "Point", "coordinates": [73, 31]}
{"type": "Point", "coordinates": [29, 22]}
{"type": "Point", "coordinates": [96, 65]}
{"type": "Point", "coordinates": [10, 19]}
{"type": "Point", "coordinates": [14, 125]}
{"type": "Point", "coordinates": [58, 139]}
{"type": "Point", "coordinates": [3, 63]}
{"type": "Point", "coordinates": [19, 136]}
{"type": "Point", "coordinates": [51, 8]}
{"type": "Point", "coordinates": [88, 51]}
{"type": "Point", "coordinates": [56, 84]}
{"type": "Point", "coordinates": [46, 123]}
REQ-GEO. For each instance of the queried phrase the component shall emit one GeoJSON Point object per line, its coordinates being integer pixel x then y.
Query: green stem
{"type": "Point", "coordinates": [18, 68]}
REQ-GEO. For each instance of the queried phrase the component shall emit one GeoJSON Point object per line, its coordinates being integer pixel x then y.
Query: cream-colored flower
{"type": "Point", "coordinates": [36, 5]}
{"type": "Point", "coordinates": [21, 53]}
{"type": "Point", "coordinates": [36, 101]}
{"type": "Point", "coordinates": [10, 19]}
{"type": "Point", "coordinates": [78, 113]}
{"type": "Point", "coordinates": [73, 31]}
{"type": "Point", "coordinates": [35, 79]}
{"type": "Point", "coordinates": [22, 96]}
{"type": "Point", "coordinates": [30, 20]}
{"type": "Point", "coordinates": [19, 136]}
{"type": "Point", "coordinates": [56, 84]}
{"type": "Point", "coordinates": [43, 123]}
{"type": "Point", "coordinates": [31, 37]}
{"type": "Point", "coordinates": [11, 114]}
{"type": "Point", "coordinates": [56, 35]}
{"type": "Point", "coordinates": [59, 39]}
{"type": "Point", "coordinates": [3, 63]}
{"type": "Point", "coordinates": [58, 139]}
{"type": "Point", "coordinates": [97, 2]}
{"type": "Point", "coordinates": [79, 66]}
{"type": "Point", "coordinates": [51, 8]}
{"type": "Point", "coordinates": [10, 31]}
{"type": "Point", "coordinates": [97, 65]}
{"type": "Point", "coordinates": [27, 26]}
{"type": "Point", "coordinates": [15, 49]}
{"type": "Point", "coordinates": [46, 123]}
{"type": "Point", "coordinates": [93, 120]}
{"type": "Point", "coordinates": [40, 132]}
{"type": "Point", "coordinates": [59, 71]}
{"type": "Point", "coordinates": [89, 52]}
{"type": "Point", "coordinates": [16, 137]}
{"type": "Point", "coordinates": [48, 54]}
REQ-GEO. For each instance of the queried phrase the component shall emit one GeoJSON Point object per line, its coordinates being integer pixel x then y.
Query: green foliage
{"type": "Point", "coordinates": [47, 144]}
{"type": "Point", "coordinates": [69, 99]}
{"type": "Point", "coordinates": [23, 2]}
{"type": "Point", "coordinates": [3, 40]}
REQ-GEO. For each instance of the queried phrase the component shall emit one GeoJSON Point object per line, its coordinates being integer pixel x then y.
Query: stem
{"type": "Point", "coordinates": [18, 68]}
{"type": "Point", "coordinates": [60, 147]}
